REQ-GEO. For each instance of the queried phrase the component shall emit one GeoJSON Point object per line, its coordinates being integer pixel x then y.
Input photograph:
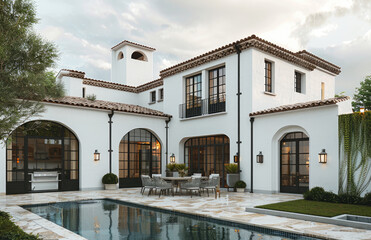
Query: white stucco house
{"type": "Point", "coordinates": [244, 99]}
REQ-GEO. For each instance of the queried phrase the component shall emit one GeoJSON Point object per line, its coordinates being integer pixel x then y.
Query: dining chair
{"type": "Point", "coordinates": [147, 182]}
{"type": "Point", "coordinates": [163, 186]}
{"type": "Point", "coordinates": [191, 186]}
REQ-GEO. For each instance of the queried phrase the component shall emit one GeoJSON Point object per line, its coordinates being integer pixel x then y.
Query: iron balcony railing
{"type": "Point", "coordinates": [202, 107]}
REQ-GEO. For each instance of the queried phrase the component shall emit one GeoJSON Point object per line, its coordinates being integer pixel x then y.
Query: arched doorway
{"type": "Point", "coordinates": [139, 154]}
{"type": "Point", "coordinates": [42, 156]}
{"type": "Point", "coordinates": [207, 155]}
{"type": "Point", "coordinates": [294, 161]}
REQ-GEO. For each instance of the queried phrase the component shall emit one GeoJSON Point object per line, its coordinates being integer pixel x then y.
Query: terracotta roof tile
{"type": "Point", "coordinates": [318, 61]}
{"type": "Point", "coordinates": [296, 106]}
{"type": "Point", "coordinates": [245, 43]}
{"type": "Point", "coordinates": [99, 104]}
{"type": "Point", "coordinates": [135, 44]}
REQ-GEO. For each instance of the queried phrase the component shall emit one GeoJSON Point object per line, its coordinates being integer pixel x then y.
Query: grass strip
{"type": "Point", "coordinates": [324, 209]}
{"type": "Point", "coordinates": [10, 231]}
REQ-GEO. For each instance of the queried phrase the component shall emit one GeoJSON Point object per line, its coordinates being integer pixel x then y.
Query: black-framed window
{"type": "Point", "coordinates": [41, 146]}
{"type": "Point", "coordinates": [161, 94]}
{"type": "Point", "coordinates": [298, 82]}
{"type": "Point", "coordinates": [139, 154]}
{"type": "Point", "coordinates": [268, 76]}
{"type": "Point", "coordinates": [193, 95]}
{"type": "Point", "coordinates": [207, 155]}
{"type": "Point", "coordinates": [217, 90]}
{"type": "Point", "coordinates": [152, 96]}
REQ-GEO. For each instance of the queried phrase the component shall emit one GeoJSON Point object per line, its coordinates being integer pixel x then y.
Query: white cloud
{"type": "Point", "coordinates": [323, 30]}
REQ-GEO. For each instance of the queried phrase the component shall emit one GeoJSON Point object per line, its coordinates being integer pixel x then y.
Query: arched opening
{"type": "Point", "coordinates": [42, 156]}
{"type": "Point", "coordinates": [120, 56]}
{"type": "Point", "coordinates": [294, 161]}
{"type": "Point", "coordinates": [139, 154]}
{"type": "Point", "coordinates": [207, 155]}
{"type": "Point", "coordinates": [138, 56]}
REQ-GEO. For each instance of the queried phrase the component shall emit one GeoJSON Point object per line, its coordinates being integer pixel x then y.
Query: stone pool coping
{"type": "Point", "coordinates": [230, 207]}
{"type": "Point", "coordinates": [335, 220]}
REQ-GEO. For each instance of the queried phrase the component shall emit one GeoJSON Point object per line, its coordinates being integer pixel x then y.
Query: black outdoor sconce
{"type": "Point", "coordinates": [172, 158]}
{"type": "Point", "coordinates": [236, 158]}
{"type": "Point", "coordinates": [96, 155]}
{"type": "Point", "coordinates": [322, 156]}
{"type": "Point", "coordinates": [259, 157]}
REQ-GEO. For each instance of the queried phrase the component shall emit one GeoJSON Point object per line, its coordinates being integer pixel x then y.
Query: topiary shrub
{"type": "Point", "coordinates": [315, 194]}
{"type": "Point", "coordinates": [240, 184]}
{"type": "Point", "coordinates": [367, 199]}
{"type": "Point", "coordinates": [110, 178]}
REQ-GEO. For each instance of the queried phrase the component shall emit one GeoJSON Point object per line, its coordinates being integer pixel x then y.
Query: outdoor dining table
{"type": "Point", "coordinates": [176, 180]}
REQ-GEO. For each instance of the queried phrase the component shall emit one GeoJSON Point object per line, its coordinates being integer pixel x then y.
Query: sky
{"type": "Point", "coordinates": [85, 30]}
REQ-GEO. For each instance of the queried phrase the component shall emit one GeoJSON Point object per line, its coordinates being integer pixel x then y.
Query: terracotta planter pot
{"type": "Point", "coordinates": [110, 186]}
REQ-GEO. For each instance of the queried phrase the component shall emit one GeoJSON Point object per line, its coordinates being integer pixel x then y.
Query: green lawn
{"type": "Point", "coordinates": [324, 209]}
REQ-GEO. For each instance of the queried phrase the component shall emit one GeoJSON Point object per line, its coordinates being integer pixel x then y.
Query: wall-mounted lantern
{"type": "Point", "coordinates": [322, 156]}
{"type": "Point", "coordinates": [259, 157]}
{"type": "Point", "coordinates": [362, 109]}
{"type": "Point", "coordinates": [172, 158]}
{"type": "Point", "coordinates": [96, 155]}
{"type": "Point", "coordinates": [236, 158]}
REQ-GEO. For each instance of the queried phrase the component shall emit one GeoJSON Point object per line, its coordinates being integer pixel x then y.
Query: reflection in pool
{"type": "Point", "coordinates": [109, 220]}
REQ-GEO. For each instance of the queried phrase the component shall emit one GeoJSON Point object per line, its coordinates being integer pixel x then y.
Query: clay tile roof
{"type": "Point", "coordinates": [99, 104]}
{"type": "Point", "coordinates": [133, 44]}
{"type": "Point", "coordinates": [250, 42]}
{"type": "Point", "coordinates": [318, 61]}
{"type": "Point", "coordinates": [111, 85]}
{"type": "Point", "coordinates": [296, 106]}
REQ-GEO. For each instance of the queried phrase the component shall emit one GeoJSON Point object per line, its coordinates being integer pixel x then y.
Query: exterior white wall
{"type": "Point", "coordinates": [92, 130]}
{"type": "Point", "coordinates": [111, 95]}
{"type": "Point", "coordinates": [284, 83]}
{"type": "Point", "coordinates": [143, 99]}
{"type": "Point", "coordinates": [72, 86]}
{"type": "Point", "coordinates": [212, 124]}
{"type": "Point", "coordinates": [320, 124]}
{"type": "Point", "coordinates": [130, 71]}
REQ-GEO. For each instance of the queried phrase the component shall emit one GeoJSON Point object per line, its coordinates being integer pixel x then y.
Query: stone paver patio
{"type": "Point", "coordinates": [231, 206]}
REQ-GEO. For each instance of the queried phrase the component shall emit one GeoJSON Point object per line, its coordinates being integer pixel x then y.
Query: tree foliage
{"type": "Point", "coordinates": [362, 97]}
{"type": "Point", "coordinates": [25, 59]}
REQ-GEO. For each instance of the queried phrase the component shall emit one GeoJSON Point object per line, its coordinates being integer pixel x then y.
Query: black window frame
{"type": "Point", "coordinates": [268, 76]}
{"type": "Point", "coordinates": [152, 97]}
{"type": "Point", "coordinates": [298, 82]}
{"type": "Point", "coordinates": [160, 94]}
{"type": "Point", "coordinates": [193, 95]}
{"type": "Point", "coordinates": [217, 89]}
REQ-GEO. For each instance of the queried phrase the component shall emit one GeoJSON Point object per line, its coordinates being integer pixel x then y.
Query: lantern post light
{"type": "Point", "coordinates": [172, 158]}
{"type": "Point", "coordinates": [96, 155]}
{"type": "Point", "coordinates": [362, 110]}
{"type": "Point", "coordinates": [259, 157]}
{"type": "Point", "coordinates": [322, 156]}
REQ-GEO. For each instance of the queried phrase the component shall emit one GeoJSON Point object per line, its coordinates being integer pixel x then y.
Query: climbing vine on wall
{"type": "Point", "coordinates": [355, 152]}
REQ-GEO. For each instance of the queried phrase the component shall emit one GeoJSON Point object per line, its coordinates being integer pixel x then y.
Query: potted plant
{"type": "Point", "coordinates": [110, 181]}
{"type": "Point", "coordinates": [240, 186]}
{"type": "Point", "coordinates": [233, 174]}
{"type": "Point", "coordinates": [171, 170]}
{"type": "Point", "coordinates": [182, 169]}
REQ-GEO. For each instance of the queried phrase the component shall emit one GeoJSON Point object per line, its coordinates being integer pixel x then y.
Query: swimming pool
{"type": "Point", "coordinates": [107, 219]}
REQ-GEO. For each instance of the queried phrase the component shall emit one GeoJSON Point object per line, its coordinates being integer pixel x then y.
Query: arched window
{"type": "Point", "coordinates": [41, 146]}
{"type": "Point", "coordinates": [207, 155]}
{"type": "Point", "coordinates": [120, 56]}
{"type": "Point", "coordinates": [139, 154]}
{"type": "Point", "coordinates": [138, 56]}
{"type": "Point", "coordinates": [294, 163]}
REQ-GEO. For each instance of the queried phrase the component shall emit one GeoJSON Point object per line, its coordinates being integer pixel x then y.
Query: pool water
{"type": "Point", "coordinates": [110, 220]}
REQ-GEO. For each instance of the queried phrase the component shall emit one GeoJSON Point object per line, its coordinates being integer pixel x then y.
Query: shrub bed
{"type": "Point", "coordinates": [10, 231]}
{"type": "Point", "coordinates": [319, 194]}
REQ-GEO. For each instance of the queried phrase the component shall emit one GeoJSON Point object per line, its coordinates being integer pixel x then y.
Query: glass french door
{"type": "Point", "coordinates": [294, 158]}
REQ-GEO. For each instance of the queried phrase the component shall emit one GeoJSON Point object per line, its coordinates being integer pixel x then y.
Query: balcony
{"type": "Point", "coordinates": [202, 107]}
